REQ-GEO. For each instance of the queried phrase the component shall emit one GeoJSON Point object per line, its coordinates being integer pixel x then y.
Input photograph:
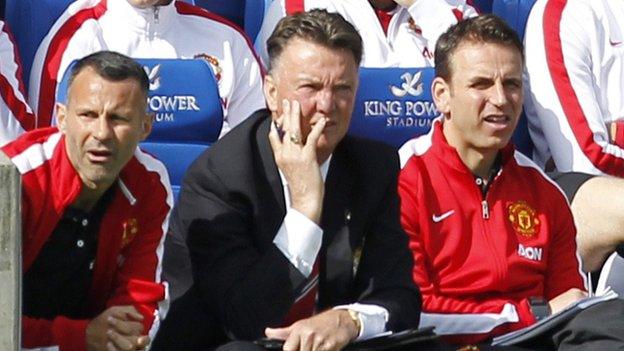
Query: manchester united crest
{"type": "Point", "coordinates": [130, 230]}
{"type": "Point", "coordinates": [214, 63]}
{"type": "Point", "coordinates": [523, 219]}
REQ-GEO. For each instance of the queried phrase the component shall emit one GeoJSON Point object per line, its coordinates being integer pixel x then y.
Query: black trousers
{"type": "Point", "coordinates": [598, 328]}
{"type": "Point", "coordinates": [429, 346]}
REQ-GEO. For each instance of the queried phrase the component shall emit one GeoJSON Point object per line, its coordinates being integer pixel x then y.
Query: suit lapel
{"type": "Point", "coordinates": [269, 167]}
{"type": "Point", "coordinates": [337, 251]}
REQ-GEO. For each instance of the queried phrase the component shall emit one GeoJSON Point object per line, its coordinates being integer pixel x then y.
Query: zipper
{"type": "Point", "coordinates": [156, 10]}
{"type": "Point", "coordinates": [485, 209]}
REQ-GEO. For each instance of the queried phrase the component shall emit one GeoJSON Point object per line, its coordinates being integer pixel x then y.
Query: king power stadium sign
{"type": "Point", "coordinates": [394, 104]}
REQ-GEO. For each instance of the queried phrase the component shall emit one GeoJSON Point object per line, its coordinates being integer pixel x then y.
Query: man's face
{"type": "Point", "coordinates": [323, 81]}
{"type": "Point", "coordinates": [103, 122]}
{"type": "Point", "coordinates": [483, 99]}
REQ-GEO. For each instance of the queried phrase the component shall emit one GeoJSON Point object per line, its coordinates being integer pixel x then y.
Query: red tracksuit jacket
{"type": "Point", "coordinates": [478, 259]}
{"type": "Point", "coordinates": [130, 241]}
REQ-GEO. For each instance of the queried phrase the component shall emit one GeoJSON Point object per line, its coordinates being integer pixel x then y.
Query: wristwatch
{"type": "Point", "coordinates": [539, 307]}
{"type": "Point", "coordinates": [355, 316]}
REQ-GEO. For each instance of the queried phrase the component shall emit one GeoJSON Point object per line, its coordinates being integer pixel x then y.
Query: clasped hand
{"type": "Point", "coordinates": [327, 331]}
{"type": "Point", "coordinates": [117, 328]}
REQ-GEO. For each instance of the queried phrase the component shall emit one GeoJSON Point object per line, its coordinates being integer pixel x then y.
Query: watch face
{"type": "Point", "coordinates": [539, 308]}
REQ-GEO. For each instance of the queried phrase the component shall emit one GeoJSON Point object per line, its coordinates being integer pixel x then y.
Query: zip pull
{"type": "Point", "coordinates": [485, 209]}
{"type": "Point", "coordinates": [156, 10]}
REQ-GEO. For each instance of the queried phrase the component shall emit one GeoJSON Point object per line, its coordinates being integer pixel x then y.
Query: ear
{"type": "Point", "coordinates": [146, 125]}
{"type": "Point", "coordinates": [270, 93]}
{"type": "Point", "coordinates": [441, 93]}
{"type": "Point", "coordinates": [60, 110]}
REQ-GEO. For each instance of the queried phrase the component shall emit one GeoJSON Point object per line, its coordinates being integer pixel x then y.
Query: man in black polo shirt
{"type": "Point", "coordinates": [94, 211]}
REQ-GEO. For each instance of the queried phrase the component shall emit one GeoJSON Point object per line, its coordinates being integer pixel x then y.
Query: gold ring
{"type": "Point", "coordinates": [295, 138]}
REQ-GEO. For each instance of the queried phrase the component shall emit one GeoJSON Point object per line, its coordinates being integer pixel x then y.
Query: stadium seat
{"type": "Point", "coordinates": [484, 6]}
{"type": "Point", "coordinates": [393, 105]}
{"type": "Point", "coordinates": [516, 13]}
{"type": "Point", "coordinates": [233, 10]}
{"type": "Point", "coordinates": [254, 14]}
{"type": "Point", "coordinates": [30, 21]}
{"type": "Point", "coordinates": [188, 113]}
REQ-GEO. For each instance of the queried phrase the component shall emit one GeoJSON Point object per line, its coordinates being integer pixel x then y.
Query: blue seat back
{"type": "Point", "coordinates": [393, 105]}
{"type": "Point", "coordinates": [30, 21]}
{"type": "Point", "coordinates": [516, 14]}
{"type": "Point", "coordinates": [484, 6]}
{"type": "Point", "coordinates": [233, 10]}
{"type": "Point", "coordinates": [254, 15]}
{"type": "Point", "coordinates": [184, 98]}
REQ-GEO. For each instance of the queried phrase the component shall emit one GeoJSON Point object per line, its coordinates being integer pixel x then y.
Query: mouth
{"type": "Point", "coordinates": [498, 122]}
{"type": "Point", "coordinates": [99, 156]}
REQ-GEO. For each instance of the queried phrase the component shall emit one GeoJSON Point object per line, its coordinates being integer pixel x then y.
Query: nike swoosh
{"type": "Point", "coordinates": [439, 218]}
{"type": "Point", "coordinates": [615, 43]}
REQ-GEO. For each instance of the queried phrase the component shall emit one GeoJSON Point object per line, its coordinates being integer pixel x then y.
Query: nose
{"type": "Point", "coordinates": [498, 95]}
{"type": "Point", "coordinates": [325, 101]}
{"type": "Point", "coordinates": [103, 128]}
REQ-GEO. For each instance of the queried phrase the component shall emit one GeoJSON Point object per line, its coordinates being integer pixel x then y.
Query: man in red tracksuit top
{"type": "Point", "coordinates": [493, 238]}
{"type": "Point", "coordinates": [95, 210]}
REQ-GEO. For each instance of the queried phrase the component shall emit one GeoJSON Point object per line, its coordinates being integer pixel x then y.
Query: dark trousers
{"type": "Point", "coordinates": [428, 346]}
{"type": "Point", "coordinates": [600, 327]}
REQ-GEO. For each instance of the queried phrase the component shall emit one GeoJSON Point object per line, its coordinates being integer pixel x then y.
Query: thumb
{"type": "Point", "coordinates": [277, 333]}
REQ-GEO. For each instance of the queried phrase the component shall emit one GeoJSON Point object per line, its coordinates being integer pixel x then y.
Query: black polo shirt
{"type": "Point", "coordinates": [59, 280]}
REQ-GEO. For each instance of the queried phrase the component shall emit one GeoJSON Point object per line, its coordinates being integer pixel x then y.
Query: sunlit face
{"type": "Point", "coordinates": [142, 4]}
{"type": "Point", "coordinates": [483, 99]}
{"type": "Point", "coordinates": [323, 80]}
{"type": "Point", "coordinates": [103, 122]}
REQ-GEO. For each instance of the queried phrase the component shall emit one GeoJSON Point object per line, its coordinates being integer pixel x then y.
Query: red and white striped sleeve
{"type": "Point", "coordinates": [138, 280]}
{"type": "Point", "coordinates": [15, 114]}
{"type": "Point", "coordinates": [574, 75]}
{"type": "Point", "coordinates": [74, 35]}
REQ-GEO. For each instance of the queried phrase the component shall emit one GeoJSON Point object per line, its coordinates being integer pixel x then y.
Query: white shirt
{"type": "Point", "coordinates": [177, 30]}
{"type": "Point", "coordinates": [574, 84]}
{"type": "Point", "coordinates": [299, 239]}
{"type": "Point", "coordinates": [15, 115]}
{"type": "Point", "coordinates": [401, 47]}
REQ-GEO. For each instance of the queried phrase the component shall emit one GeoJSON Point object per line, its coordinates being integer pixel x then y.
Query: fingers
{"type": "Point", "coordinates": [293, 343]}
{"type": "Point", "coordinates": [315, 133]}
{"type": "Point", "coordinates": [126, 313]}
{"type": "Point", "coordinates": [286, 115]}
{"type": "Point", "coordinates": [277, 333]}
{"type": "Point", "coordinates": [275, 139]}
{"type": "Point", "coordinates": [121, 342]}
{"type": "Point", "coordinates": [125, 327]}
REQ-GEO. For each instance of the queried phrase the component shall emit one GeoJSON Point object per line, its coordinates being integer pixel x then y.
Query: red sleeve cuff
{"type": "Point", "coordinates": [526, 317]}
{"type": "Point", "coordinates": [619, 133]}
{"type": "Point", "coordinates": [70, 333]}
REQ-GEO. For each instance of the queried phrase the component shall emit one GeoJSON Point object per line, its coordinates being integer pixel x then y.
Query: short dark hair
{"type": "Point", "coordinates": [112, 66]}
{"type": "Point", "coordinates": [485, 28]}
{"type": "Point", "coordinates": [318, 26]}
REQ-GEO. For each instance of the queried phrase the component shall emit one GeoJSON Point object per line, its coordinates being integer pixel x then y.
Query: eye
{"type": "Point", "coordinates": [307, 87]}
{"type": "Point", "coordinates": [481, 84]}
{"type": "Point", "coordinates": [119, 118]}
{"type": "Point", "coordinates": [347, 88]}
{"type": "Point", "coordinates": [513, 83]}
{"type": "Point", "coordinates": [86, 114]}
